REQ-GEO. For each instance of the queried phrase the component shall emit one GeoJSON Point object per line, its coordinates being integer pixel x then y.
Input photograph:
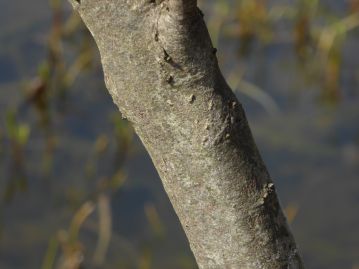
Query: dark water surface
{"type": "Point", "coordinates": [311, 150]}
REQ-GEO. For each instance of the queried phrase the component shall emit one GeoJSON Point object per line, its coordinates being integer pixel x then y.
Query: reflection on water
{"type": "Point", "coordinates": [73, 147]}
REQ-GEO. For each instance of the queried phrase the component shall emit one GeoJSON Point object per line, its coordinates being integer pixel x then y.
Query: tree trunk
{"type": "Point", "coordinates": [162, 72]}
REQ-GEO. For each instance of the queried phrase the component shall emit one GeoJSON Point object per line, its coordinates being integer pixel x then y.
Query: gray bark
{"type": "Point", "coordinates": [161, 70]}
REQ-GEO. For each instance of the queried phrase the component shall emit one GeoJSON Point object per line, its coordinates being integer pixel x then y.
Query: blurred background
{"type": "Point", "coordinates": [78, 190]}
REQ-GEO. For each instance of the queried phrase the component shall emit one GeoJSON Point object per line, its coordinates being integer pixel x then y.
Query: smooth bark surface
{"type": "Point", "coordinates": [162, 72]}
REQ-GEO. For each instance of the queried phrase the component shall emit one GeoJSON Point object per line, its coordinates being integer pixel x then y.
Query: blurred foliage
{"type": "Point", "coordinates": [46, 94]}
{"type": "Point", "coordinates": [316, 32]}
{"type": "Point", "coordinates": [18, 136]}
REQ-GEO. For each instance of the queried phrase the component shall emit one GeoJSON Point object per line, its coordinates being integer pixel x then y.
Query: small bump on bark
{"type": "Point", "coordinates": [166, 57]}
{"type": "Point", "coordinates": [170, 80]}
{"type": "Point", "coordinates": [200, 12]}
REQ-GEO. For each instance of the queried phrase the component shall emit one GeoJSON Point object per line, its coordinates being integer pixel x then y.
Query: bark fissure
{"type": "Point", "coordinates": [161, 70]}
